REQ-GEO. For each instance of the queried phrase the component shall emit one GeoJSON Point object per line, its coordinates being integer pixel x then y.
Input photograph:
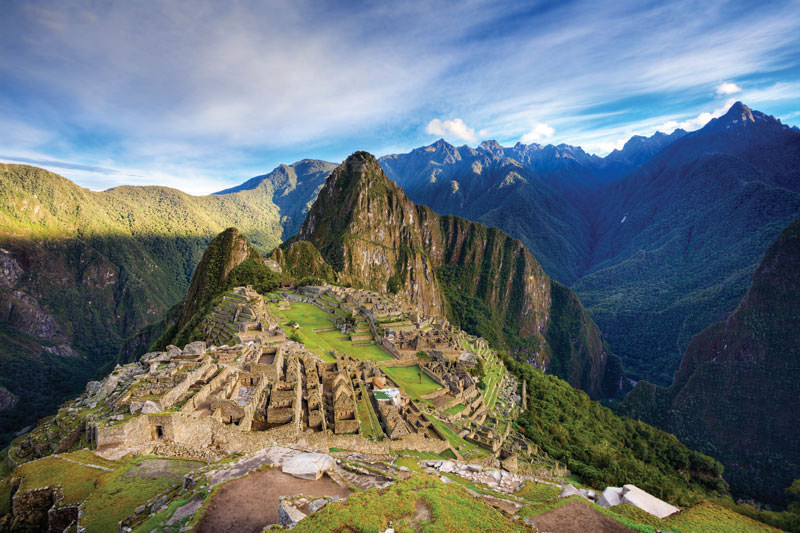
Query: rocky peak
{"type": "Point", "coordinates": [492, 147]}
{"type": "Point", "coordinates": [225, 252]}
{"type": "Point", "coordinates": [741, 115]}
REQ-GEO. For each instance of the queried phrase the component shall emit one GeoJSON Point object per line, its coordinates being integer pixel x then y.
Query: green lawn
{"type": "Point", "coordinates": [412, 380]}
{"type": "Point", "coordinates": [311, 317]}
{"type": "Point", "coordinates": [466, 448]}
{"type": "Point", "coordinates": [370, 426]}
{"type": "Point", "coordinates": [124, 489]}
{"type": "Point", "coordinates": [455, 409]}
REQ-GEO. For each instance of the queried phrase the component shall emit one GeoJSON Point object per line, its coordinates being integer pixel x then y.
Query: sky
{"type": "Point", "coordinates": [201, 95]}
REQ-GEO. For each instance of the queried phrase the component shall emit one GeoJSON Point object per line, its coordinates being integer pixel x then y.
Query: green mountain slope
{"type": "Point", "coordinates": [372, 236]}
{"type": "Point", "coordinates": [82, 271]}
{"type": "Point", "coordinates": [733, 394]}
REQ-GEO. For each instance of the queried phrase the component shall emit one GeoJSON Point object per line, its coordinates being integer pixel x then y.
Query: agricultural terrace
{"type": "Point", "coordinates": [318, 332]}
{"type": "Point", "coordinates": [493, 371]}
{"type": "Point", "coordinates": [412, 380]}
{"type": "Point", "coordinates": [110, 490]}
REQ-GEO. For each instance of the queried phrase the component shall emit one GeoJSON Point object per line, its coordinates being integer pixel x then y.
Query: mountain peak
{"type": "Point", "coordinates": [739, 111]}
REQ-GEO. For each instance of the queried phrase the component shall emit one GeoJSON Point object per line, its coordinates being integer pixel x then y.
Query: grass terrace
{"type": "Point", "coordinates": [313, 322]}
{"type": "Point", "coordinates": [370, 425]}
{"type": "Point", "coordinates": [110, 490]}
{"type": "Point", "coordinates": [412, 380]}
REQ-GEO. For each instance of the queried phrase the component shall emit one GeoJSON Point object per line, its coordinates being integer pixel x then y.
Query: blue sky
{"type": "Point", "coordinates": [201, 95]}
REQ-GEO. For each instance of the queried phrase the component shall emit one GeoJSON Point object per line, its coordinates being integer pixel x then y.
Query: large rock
{"type": "Point", "coordinates": [611, 496]}
{"type": "Point", "coordinates": [308, 465]}
{"type": "Point", "coordinates": [568, 491]}
{"type": "Point", "coordinates": [288, 514]}
{"type": "Point", "coordinates": [8, 400]}
{"type": "Point", "coordinates": [150, 407]}
{"type": "Point", "coordinates": [93, 387]}
{"type": "Point", "coordinates": [647, 502]}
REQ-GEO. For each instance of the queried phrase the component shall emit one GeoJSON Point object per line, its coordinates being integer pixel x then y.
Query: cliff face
{"type": "Point", "coordinates": [738, 378]}
{"type": "Point", "coordinates": [369, 232]}
{"type": "Point", "coordinates": [488, 283]}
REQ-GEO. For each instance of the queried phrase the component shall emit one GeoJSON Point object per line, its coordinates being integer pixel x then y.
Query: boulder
{"type": "Point", "coordinates": [195, 348]}
{"type": "Point", "coordinates": [93, 387]}
{"type": "Point", "coordinates": [611, 496]}
{"type": "Point", "coordinates": [568, 491]}
{"type": "Point", "coordinates": [647, 502]}
{"type": "Point", "coordinates": [289, 515]}
{"type": "Point", "coordinates": [136, 407]}
{"type": "Point", "coordinates": [150, 407]}
{"type": "Point", "coordinates": [448, 467]}
{"type": "Point", "coordinates": [308, 465]}
{"type": "Point", "coordinates": [588, 494]}
{"type": "Point", "coordinates": [317, 504]}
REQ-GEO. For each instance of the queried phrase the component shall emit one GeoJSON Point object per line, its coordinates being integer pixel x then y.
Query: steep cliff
{"type": "Point", "coordinates": [733, 393]}
{"type": "Point", "coordinates": [372, 236]}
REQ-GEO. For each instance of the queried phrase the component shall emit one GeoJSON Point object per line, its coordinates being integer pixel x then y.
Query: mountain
{"type": "Point", "coordinates": [540, 194]}
{"type": "Point", "coordinates": [292, 188]}
{"type": "Point", "coordinates": [738, 379]}
{"type": "Point", "coordinates": [372, 236]}
{"type": "Point", "coordinates": [658, 239]}
{"type": "Point", "coordinates": [639, 149]}
{"type": "Point", "coordinates": [678, 239]}
{"type": "Point", "coordinates": [81, 272]}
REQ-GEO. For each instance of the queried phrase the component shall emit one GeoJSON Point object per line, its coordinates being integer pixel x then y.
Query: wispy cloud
{"type": "Point", "coordinates": [221, 91]}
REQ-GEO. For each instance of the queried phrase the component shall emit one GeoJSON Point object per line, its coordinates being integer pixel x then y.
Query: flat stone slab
{"type": "Point", "coordinates": [274, 456]}
{"type": "Point", "coordinates": [308, 465]}
{"type": "Point", "coordinates": [647, 502]}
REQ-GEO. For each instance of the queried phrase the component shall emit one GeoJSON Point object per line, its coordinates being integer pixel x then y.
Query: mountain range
{"type": "Point", "coordinates": [658, 240]}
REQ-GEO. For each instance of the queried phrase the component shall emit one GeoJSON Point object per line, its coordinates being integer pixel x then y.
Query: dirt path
{"type": "Point", "coordinates": [577, 517]}
{"type": "Point", "coordinates": [251, 503]}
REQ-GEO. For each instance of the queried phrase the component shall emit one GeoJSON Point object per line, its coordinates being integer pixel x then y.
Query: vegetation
{"type": "Point", "coordinates": [368, 420]}
{"type": "Point", "coordinates": [605, 449]}
{"type": "Point", "coordinates": [108, 495]}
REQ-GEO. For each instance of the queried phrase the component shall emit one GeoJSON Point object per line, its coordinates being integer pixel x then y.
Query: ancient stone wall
{"type": "Point", "coordinates": [182, 388]}
{"type": "Point", "coordinates": [202, 395]}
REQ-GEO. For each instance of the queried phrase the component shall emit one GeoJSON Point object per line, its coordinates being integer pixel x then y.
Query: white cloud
{"type": "Point", "coordinates": [728, 88]}
{"type": "Point", "coordinates": [538, 133]}
{"type": "Point", "coordinates": [452, 128]}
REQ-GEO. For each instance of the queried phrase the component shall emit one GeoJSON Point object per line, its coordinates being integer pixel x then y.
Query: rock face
{"type": "Point", "coordinates": [308, 465]}
{"type": "Point", "coordinates": [732, 393]}
{"type": "Point", "coordinates": [370, 235]}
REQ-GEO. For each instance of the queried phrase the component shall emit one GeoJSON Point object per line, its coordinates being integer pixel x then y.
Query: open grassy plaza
{"type": "Point", "coordinates": [317, 331]}
{"type": "Point", "coordinates": [412, 380]}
